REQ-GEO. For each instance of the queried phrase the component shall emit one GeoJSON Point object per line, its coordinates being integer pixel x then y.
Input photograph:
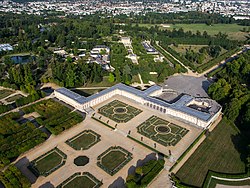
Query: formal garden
{"type": "Point", "coordinates": [48, 162]}
{"type": "Point", "coordinates": [162, 131]}
{"type": "Point", "coordinates": [113, 159]}
{"type": "Point", "coordinates": [81, 180]}
{"type": "Point", "coordinates": [84, 140]}
{"type": "Point", "coordinates": [54, 116]}
{"type": "Point", "coordinates": [119, 111]}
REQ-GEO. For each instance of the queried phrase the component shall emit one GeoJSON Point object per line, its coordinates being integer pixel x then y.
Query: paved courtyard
{"type": "Point", "coordinates": [108, 138]}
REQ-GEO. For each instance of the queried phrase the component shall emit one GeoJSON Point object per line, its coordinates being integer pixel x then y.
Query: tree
{"type": "Point", "coordinates": [111, 77]}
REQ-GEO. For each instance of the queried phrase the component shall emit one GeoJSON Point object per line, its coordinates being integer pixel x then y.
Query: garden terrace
{"type": "Point", "coordinates": [119, 111]}
{"type": "Point", "coordinates": [113, 159]}
{"type": "Point", "coordinates": [17, 138]}
{"type": "Point", "coordinates": [84, 140]}
{"type": "Point", "coordinates": [55, 116]}
{"type": "Point", "coordinates": [48, 162]}
{"type": "Point", "coordinates": [162, 131]}
{"type": "Point", "coordinates": [81, 180]}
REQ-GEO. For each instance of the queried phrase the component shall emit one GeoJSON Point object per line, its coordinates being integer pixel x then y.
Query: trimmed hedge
{"type": "Point", "coordinates": [210, 173]}
{"type": "Point", "coordinates": [121, 165]}
{"type": "Point", "coordinates": [145, 145]}
{"type": "Point", "coordinates": [32, 165]}
{"type": "Point", "coordinates": [149, 171]}
{"type": "Point", "coordinates": [93, 178]}
{"type": "Point", "coordinates": [103, 123]}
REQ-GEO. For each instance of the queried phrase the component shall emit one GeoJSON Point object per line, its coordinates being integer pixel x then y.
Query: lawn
{"type": "Point", "coordinates": [14, 98]}
{"type": "Point", "coordinates": [80, 182]}
{"type": "Point", "coordinates": [84, 140]}
{"type": "Point", "coordinates": [113, 159]}
{"type": "Point", "coordinates": [5, 93]}
{"type": "Point", "coordinates": [232, 30]}
{"type": "Point", "coordinates": [217, 153]}
{"type": "Point", "coordinates": [49, 162]}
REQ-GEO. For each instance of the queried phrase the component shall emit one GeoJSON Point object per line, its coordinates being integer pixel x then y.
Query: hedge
{"type": "Point", "coordinates": [145, 145]}
{"type": "Point", "coordinates": [103, 123]}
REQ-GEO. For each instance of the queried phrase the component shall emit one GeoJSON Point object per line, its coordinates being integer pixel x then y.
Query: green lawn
{"type": "Point", "coordinates": [80, 182]}
{"type": "Point", "coordinates": [232, 30]}
{"type": "Point", "coordinates": [217, 153]}
{"type": "Point", "coordinates": [84, 140]}
{"type": "Point", "coordinates": [50, 161]}
{"type": "Point", "coordinates": [4, 93]}
{"type": "Point", "coordinates": [113, 159]}
{"type": "Point", "coordinates": [14, 98]}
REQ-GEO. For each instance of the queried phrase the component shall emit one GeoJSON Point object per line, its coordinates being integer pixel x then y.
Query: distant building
{"type": "Point", "coordinates": [150, 49]}
{"type": "Point", "coordinates": [5, 47]}
{"type": "Point", "coordinates": [100, 55]}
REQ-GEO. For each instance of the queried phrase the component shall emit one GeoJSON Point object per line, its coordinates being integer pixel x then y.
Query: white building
{"type": "Point", "coordinates": [199, 112]}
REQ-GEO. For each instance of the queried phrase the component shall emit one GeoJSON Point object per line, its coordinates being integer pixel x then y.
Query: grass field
{"type": "Point", "coordinates": [13, 98]}
{"type": "Point", "coordinates": [232, 30]}
{"type": "Point", "coordinates": [162, 131]}
{"type": "Point", "coordinates": [84, 140]}
{"type": "Point", "coordinates": [217, 153]}
{"type": "Point", "coordinates": [81, 180]}
{"type": "Point", "coordinates": [5, 93]}
{"type": "Point", "coordinates": [119, 111]}
{"type": "Point", "coordinates": [113, 159]}
{"type": "Point", "coordinates": [49, 162]}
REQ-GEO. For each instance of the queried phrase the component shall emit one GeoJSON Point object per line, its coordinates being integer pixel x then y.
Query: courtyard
{"type": "Point", "coordinates": [107, 154]}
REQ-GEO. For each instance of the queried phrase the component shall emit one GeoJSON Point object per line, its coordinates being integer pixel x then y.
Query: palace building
{"type": "Point", "coordinates": [201, 112]}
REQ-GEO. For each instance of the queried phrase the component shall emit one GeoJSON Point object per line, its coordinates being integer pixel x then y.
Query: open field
{"type": "Point", "coordinates": [232, 30]}
{"type": "Point", "coordinates": [4, 93]}
{"type": "Point", "coordinates": [217, 153]}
